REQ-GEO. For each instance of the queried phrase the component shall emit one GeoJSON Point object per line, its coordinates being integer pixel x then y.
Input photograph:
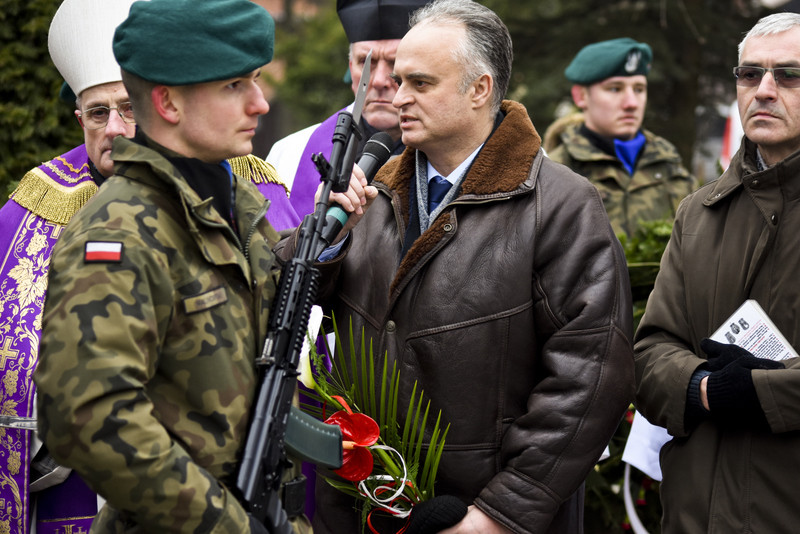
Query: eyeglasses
{"type": "Point", "coordinates": [751, 76]}
{"type": "Point", "coordinates": [97, 117]}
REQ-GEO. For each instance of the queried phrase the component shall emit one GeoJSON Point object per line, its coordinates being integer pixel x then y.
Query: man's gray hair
{"type": "Point", "coordinates": [776, 23]}
{"type": "Point", "coordinates": [487, 48]}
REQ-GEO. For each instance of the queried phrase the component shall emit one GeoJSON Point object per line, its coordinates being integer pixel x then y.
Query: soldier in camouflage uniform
{"type": "Point", "coordinates": [639, 174]}
{"type": "Point", "coordinates": [160, 286]}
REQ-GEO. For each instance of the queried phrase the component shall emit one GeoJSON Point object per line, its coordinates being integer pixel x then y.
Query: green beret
{"type": "Point", "coordinates": [617, 57]}
{"type": "Point", "coordinates": [182, 42]}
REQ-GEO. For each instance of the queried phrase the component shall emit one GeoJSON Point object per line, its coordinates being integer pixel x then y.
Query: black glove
{"type": "Point", "coordinates": [439, 513]}
{"type": "Point", "coordinates": [722, 354]}
{"type": "Point", "coordinates": [732, 397]}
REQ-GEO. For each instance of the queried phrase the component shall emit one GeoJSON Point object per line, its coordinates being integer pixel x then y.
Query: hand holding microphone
{"type": "Point", "coordinates": [376, 153]}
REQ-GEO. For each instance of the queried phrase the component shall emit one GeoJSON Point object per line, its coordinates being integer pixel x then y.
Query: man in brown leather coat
{"type": "Point", "coordinates": [732, 464]}
{"type": "Point", "coordinates": [508, 302]}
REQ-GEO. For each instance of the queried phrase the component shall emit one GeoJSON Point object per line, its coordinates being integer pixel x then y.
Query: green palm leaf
{"type": "Point", "coordinates": [357, 382]}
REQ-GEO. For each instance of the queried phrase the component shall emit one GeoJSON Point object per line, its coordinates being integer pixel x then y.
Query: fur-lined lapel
{"type": "Point", "coordinates": [500, 169]}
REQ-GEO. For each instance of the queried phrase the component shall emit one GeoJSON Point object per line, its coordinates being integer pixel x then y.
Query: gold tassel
{"type": "Point", "coordinates": [256, 170]}
{"type": "Point", "coordinates": [50, 200]}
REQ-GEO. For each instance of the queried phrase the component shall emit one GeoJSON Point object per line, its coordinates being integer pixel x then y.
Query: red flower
{"type": "Point", "coordinates": [629, 416]}
{"type": "Point", "coordinates": [358, 432]}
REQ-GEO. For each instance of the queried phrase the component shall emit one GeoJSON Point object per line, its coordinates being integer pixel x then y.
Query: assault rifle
{"type": "Point", "coordinates": [259, 476]}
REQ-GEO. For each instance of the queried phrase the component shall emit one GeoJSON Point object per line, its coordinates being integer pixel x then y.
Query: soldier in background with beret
{"type": "Point", "coordinates": [640, 175]}
{"type": "Point", "coordinates": [160, 287]}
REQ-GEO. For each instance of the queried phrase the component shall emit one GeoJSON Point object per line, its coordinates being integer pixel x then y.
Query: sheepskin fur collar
{"type": "Point", "coordinates": [500, 170]}
{"type": "Point", "coordinates": [506, 157]}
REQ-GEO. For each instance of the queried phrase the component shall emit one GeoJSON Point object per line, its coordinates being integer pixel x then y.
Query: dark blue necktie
{"type": "Point", "coordinates": [437, 189]}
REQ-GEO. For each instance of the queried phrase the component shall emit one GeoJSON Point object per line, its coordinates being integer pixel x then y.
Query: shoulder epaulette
{"type": "Point", "coordinates": [256, 170]}
{"type": "Point", "coordinates": [48, 198]}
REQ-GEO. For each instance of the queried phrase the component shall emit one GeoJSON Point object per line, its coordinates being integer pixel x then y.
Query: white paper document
{"type": "Point", "coordinates": [751, 328]}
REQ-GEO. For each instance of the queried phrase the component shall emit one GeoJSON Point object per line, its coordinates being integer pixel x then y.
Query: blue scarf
{"type": "Point", "coordinates": [628, 151]}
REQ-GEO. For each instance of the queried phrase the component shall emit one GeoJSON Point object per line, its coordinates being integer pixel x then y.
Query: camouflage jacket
{"type": "Point", "coordinates": [147, 374]}
{"type": "Point", "coordinates": [659, 182]}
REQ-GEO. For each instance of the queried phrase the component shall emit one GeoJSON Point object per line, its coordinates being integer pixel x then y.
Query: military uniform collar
{"type": "Point", "coordinates": [160, 159]}
{"type": "Point", "coordinates": [601, 142]}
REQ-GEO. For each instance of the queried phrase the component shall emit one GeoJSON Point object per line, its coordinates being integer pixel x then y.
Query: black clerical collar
{"type": "Point", "coordinates": [97, 178]}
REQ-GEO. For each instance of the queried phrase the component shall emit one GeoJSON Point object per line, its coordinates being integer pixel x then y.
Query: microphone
{"type": "Point", "coordinates": [376, 153]}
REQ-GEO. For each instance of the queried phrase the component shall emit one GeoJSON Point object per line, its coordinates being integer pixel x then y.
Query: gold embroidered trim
{"type": "Point", "coordinates": [256, 170]}
{"type": "Point", "coordinates": [77, 174]}
{"type": "Point", "coordinates": [43, 196]}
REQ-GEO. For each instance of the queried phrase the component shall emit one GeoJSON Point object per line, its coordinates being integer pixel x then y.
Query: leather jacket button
{"type": "Point", "coordinates": [774, 219]}
{"type": "Point", "coordinates": [448, 227]}
{"type": "Point", "coordinates": [391, 326]}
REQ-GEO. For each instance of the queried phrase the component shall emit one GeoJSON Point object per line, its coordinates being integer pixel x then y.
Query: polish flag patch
{"type": "Point", "coordinates": [103, 251]}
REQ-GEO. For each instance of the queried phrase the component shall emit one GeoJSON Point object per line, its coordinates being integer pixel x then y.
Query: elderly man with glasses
{"type": "Point", "coordinates": [732, 464]}
{"type": "Point", "coordinates": [38, 493]}
{"type": "Point", "coordinates": [102, 122]}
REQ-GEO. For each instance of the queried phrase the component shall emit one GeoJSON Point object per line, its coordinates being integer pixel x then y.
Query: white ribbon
{"type": "Point", "coordinates": [373, 495]}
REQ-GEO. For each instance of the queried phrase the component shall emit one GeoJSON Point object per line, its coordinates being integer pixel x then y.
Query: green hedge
{"type": "Point", "coordinates": [34, 124]}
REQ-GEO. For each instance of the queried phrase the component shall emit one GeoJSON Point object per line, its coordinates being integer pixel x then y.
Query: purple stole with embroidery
{"type": "Point", "coordinates": [307, 178]}
{"type": "Point", "coordinates": [281, 214]}
{"type": "Point", "coordinates": [30, 224]}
